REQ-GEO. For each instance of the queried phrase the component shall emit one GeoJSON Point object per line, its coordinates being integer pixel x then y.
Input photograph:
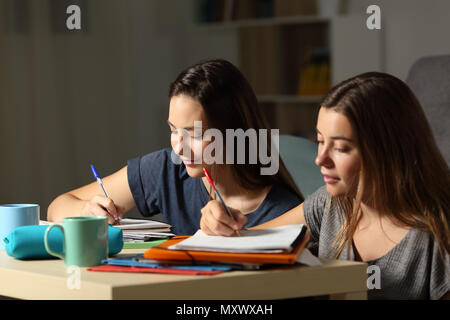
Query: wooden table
{"type": "Point", "coordinates": [49, 279]}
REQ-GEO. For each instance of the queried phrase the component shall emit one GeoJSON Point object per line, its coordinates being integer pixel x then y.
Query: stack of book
{"type": "Point", "coordinates": [143, 230]}
{"type": "Point", "coordinates": [281, 245]}
{"type": "Point", "coordinates": [201, 254]}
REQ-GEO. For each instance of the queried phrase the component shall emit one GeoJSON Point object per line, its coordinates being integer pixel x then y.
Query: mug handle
{"type": "Point", "coordinates": [47, 247]}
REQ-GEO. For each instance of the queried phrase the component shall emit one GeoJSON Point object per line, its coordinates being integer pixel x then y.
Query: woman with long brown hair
{"type": "Point", "coordinates": [211, 95]}
{"type": "Point", "coordinates": [387, 195]}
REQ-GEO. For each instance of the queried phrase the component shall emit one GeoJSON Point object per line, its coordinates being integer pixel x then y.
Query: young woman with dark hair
{"type": "Point", "coordinates": [172, 182]}
{"type": "Point", "coordinates": [387, 195]}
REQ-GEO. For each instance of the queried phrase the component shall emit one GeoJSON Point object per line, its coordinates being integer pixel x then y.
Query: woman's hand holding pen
{"type": "Point", "coordinates": [216, 221]}
{"type": "Point", "coordinates": [104, 207]}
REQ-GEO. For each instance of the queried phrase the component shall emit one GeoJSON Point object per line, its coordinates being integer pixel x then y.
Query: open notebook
{"type": "Point", "coordinates": [273, 240]}
{"type": "Point", "coordinates": [138, 229]}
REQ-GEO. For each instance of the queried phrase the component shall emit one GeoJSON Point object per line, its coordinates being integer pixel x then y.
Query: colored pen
{"type": "Point", "coordinates": [100, 182]}
{"type": "Point", "coordinates": [211, 182]}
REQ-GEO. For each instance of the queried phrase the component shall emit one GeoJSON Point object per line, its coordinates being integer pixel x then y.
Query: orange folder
{"type": "Point", "coordinates": [161, 252]}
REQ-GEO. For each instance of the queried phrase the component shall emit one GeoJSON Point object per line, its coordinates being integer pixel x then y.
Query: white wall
{"type": "Point", "coordinates": [412, 29]}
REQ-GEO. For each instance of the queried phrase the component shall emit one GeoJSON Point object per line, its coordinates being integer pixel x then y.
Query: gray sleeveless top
{"type": "Point", "coordinates": [413, 269]}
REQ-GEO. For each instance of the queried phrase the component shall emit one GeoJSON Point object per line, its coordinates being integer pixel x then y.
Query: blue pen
{"type": "Point", "coordinates": [100, 182]}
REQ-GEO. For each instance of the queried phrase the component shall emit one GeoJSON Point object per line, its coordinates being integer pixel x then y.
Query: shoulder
{"type": "Point", "coordinates": [156, 171]}
{"type": "Point", "coordinates": [424, 258]}
{"type": "Point", "coordinates": [439, 263]}
{"type": "Point", "coordinates": [159, 162]}
{"type": "Point", "coordinates": [314, 207]}
{"type": "Point", "coordinates": [317, 201]}
{"type": "Point", "coordinates": [159, 156]}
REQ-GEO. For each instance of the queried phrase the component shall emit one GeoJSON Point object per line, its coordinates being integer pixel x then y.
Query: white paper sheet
{"type": "Point", "coordinates": [269, 240]}
{"type": "Point", "coordinates": [307, 258]}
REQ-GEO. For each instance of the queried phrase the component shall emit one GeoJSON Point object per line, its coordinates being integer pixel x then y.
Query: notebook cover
{"type": "Point", "coordinates": [161, 252]}
{"type": "Point", "coordinates": [111, 268]}
{"type": "Point", "coordinates": [142, 245]}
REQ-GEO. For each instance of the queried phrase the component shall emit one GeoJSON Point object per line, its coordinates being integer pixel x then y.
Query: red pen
{"type": "Point", "coordinates": [211, 182]}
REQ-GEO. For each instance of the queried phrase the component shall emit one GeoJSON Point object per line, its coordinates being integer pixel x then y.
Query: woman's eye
{"type": "Point", "coordinates": [343, 150]}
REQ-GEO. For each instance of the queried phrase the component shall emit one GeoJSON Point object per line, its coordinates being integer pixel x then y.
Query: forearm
{"type": "Point", "coordinates": [66, 205]}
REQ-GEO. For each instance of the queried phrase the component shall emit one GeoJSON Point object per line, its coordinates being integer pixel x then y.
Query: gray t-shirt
{"type": "Point", "coordinates": [413, 269]}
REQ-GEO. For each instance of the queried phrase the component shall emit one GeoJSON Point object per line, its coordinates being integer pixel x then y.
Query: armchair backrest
{"type": "Point", "coordinates": [429, 79]}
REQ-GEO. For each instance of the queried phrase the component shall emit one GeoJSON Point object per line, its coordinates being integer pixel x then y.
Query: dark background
{"type": "Point", "coordinates": [99, 94]}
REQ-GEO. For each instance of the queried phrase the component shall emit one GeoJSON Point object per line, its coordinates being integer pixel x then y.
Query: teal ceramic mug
{"type": "Point", "coordinates": [16, 215]}
{"type": "Point", "coordinates": [85, 241]}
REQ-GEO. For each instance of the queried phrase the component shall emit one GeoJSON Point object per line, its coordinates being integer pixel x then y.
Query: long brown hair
{"type": "Point", "coordinates": [403, 173]}
{"type": "Point", "coordinates": [230, 103]}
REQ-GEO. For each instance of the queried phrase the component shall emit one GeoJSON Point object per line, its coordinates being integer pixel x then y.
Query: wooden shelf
{"type": "Point", "coordinates": [278, 53]}
{"type": "Point", "coordinates": [289, 99]}
{"type": "Point", "coordinates": [258, 22]}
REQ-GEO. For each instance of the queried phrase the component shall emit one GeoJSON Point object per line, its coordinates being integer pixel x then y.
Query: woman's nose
{"type": "Point", "coordinates": [181, 144]}
{"type": "Point", "coordinates": [177, 143]}
{"type": "Point", "coordinates": [323, 159]}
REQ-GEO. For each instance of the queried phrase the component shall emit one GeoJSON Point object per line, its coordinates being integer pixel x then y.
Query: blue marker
{"type": "Point", "coordinates": [99, 180]}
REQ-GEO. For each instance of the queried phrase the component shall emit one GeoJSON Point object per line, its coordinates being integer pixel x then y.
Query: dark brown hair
{"type": "Point", "coordinates": [230, 103]}
{"type": "Point", "coordinates": [403, 174]}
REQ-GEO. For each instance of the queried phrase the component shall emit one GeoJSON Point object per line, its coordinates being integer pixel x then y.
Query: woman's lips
{"type": "Point", "coordinates": [189, 162]}
{"type": "Point", "coordinates": [329, 179]}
